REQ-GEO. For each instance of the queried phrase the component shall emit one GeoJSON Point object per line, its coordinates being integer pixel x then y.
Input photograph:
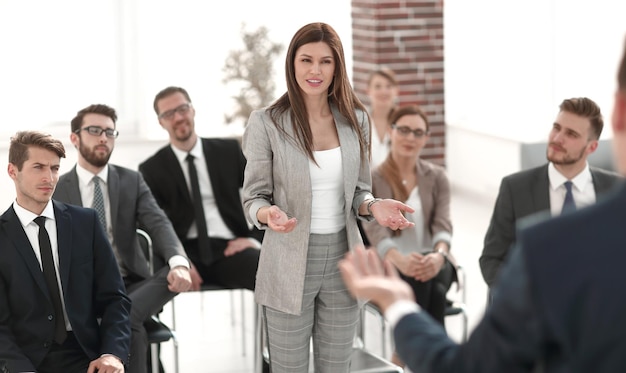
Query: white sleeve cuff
{"type": "Point", "coordinates": [399, 309]}
{"type": "Point", "coordinates": [178, 260]}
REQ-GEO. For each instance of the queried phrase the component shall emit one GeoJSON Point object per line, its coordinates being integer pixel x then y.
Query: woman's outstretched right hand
{"type": "Point", "coordinates": [278, 221]}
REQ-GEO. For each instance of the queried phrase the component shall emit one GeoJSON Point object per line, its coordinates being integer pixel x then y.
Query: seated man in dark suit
{"type": "Point", "coordinates": [63, 306]}
{"type": "Point", "coordinates": [124, 202]}
{"type": "Point", "coordinates": [557, 306]}
{"type": "Point", "coordinates": [574, 136]}
{"type": "Point", "coordinates": [197, 182]}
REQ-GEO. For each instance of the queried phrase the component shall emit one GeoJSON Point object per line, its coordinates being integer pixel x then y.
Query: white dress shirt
{"type": "Point", "coordinates": [582, 189]}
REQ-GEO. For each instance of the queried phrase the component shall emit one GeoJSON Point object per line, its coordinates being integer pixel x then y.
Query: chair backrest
{"type": "Point", "coordinates": [145, 242]}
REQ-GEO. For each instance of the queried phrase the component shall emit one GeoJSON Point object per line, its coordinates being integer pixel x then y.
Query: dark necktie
{"type": "Point", "coordinates": [98, 202]}
{"type": "Point", "coordinates": [568, 203]}
{"type": "Point", "coordinates": [49, 274]}
{"type": "Point", "coordinates": [204, 246]}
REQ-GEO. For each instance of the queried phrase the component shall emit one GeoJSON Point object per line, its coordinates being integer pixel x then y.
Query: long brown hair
{"type": "Point", "coordinates": [340, 92]}
{"type": "Point", "coordinates": [389, 168]}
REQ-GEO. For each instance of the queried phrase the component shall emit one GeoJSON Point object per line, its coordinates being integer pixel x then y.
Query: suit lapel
{"type": "Point", "coordinates": [64, 241]}
{"type": "Point", "coordinates": [540, 186]}
{"type": "Point", "coordinates": [14, 230]}
{"type": "Point", "coordinates": [350, 156]}
{"type": "Point", "coordinates": [601, 183]}
{"type": "Point", "coordinates": [171, 163]}
{"type": "Point", "coordinates": [72, 192]}
{"type": "Point", "coordinates": [212, 168]}
{"type": "Point", "coordinates": [113, 185]}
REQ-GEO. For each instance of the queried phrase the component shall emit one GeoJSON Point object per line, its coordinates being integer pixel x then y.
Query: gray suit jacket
{"type": "Point", "coordinates": [132, 206]}
{"type": "Point", "coordinates": [523, 194]}
{"type": "Point", "coordinates": [277, 173]}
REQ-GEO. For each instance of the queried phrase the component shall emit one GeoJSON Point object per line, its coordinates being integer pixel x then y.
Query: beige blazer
{"type": "Point", "coordinates": [277, 172]}
{"type": "Point", "coordinates": [434, 194]}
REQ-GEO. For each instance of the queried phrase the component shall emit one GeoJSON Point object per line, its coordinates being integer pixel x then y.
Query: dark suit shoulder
{"type": "Point", "coordinates": [605, 174]}
{"type": "Point", "coordinates": [125, 173]}
{"type": "Point", "coordinates": [527, 175]}
{"type": "Point", "coordinates": [157, 157]}
{"type": "Point", "coordinates": [221, 144]}
{"type": "Point", "coordinates": [73, 210]}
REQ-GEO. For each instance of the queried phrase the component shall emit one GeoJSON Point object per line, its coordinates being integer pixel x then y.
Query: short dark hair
{"type": "Point", "coordinates": [586, 108]}
{"type": "Point", "coordinates": [93, 109]}
{"type": "Point", "coordinates": [22, 140]}
{"type": "Point", "coordinates": [166, 93]}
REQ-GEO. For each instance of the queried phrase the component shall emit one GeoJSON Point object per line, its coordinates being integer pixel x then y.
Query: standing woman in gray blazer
{"type": "Point", "coordinates": [307, 180]}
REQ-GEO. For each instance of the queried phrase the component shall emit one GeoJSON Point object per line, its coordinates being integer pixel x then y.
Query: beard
{"type": "Point", "coordinates": [567, 159]}
{"type": "Point", "coordinates": [183, 132]}
{"type": "Point", "coordinates": [92, 157]}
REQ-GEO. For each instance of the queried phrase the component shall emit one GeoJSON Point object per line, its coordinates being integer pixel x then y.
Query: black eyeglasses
{"type": "Point", "coordinates": [97, 131]}
{"type": "Point", "coordinates": [182, 110]}
{"type": "Point", "coordinates": [404, 131]}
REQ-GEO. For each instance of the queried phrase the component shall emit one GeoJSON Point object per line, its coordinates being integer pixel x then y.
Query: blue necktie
{"type": "Point", "coordinates": [568, 203]}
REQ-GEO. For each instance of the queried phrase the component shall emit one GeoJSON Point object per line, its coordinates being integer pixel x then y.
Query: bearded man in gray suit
{"type": "Point", "coordinates": [127, 203]}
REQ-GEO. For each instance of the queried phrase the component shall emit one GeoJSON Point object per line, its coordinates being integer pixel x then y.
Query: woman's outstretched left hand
{"type": "Point", "coordinates": [389, 213]}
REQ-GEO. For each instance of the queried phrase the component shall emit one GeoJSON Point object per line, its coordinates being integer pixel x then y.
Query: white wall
{"type": "Point", "coordinates": [62, 55]}
{"type": "Point", "coordinates": [509, 64]}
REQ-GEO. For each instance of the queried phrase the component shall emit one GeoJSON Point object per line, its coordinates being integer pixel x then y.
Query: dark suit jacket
{"type": "Point", "coordinates": [92, 286]}
{"type": "Point", "coordinates": [557, 306]}
{"type": "Point", "coordinates": [522, 194]}
{"type": "Point", "coordinates": [132, 206]}
{"type": "Point", "coordinates": [225, 163]}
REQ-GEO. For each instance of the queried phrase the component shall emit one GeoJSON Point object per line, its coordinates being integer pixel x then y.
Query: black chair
{"type": "Point", "coordinates": [158, 332]}
{"type": "Point", "coordinates": [215, 287]}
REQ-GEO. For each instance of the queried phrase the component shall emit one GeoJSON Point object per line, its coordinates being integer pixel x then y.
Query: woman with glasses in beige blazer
{"type": "Point", "coordinates": [306, 182]}
{"type": "Point", "coordinates": [421, 253]}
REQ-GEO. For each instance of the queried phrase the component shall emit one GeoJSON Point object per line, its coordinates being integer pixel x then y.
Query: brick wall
{"type": "Point", "coordinates": [407, 37]}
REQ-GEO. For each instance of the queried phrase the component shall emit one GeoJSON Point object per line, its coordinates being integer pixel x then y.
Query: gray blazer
{"type": "Point", "coordinates": [277, 173]}
{"type": "Point", "coordinates": [132, 206]}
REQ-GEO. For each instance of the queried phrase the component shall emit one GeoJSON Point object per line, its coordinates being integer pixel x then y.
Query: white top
{"type": "Point", "coordinates": [328, 202]}
{"type": "Point", "coordinates": [582, 189]}
{"type": "Point", "coordinates": [413, 239]}
{"type": "Point", "coordinates": [380, 148]}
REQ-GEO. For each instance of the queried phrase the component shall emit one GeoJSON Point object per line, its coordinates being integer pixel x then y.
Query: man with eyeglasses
{"type": "Point", "coordinates": [124, 202]}
{"type": "Point", "coordinates": [574, 136]}
{"type": "Point", "coordinates": [197, 182]}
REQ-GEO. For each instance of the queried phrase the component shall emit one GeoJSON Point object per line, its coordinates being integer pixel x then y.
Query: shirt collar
{"type": "Point", "coordinates": [26, 217]}
{"type": "Point", "coordinates": [196, 151]}
{"type": "Point", "coordinates": [84, 176]}
{"type": "Point", "coordinates": [557, 179]}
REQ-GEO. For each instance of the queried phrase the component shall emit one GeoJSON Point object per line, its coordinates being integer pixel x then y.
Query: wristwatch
{"type": "Point", "coordinates": [444, 254]}
{"type": "Point", "coordinates": [370, 203]}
